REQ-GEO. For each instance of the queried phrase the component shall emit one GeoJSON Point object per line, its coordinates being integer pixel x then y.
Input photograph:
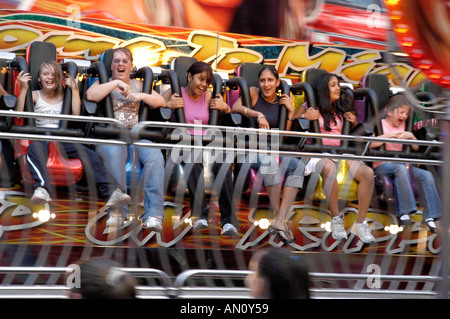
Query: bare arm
{"type": "Point", "coordinates": [98, 92]}
{"type": "Point", "coordinates": [217, 103]}
{"type": "Point", "coordinates": [76, 102]}
{"type": "Point", "coordinates": [308, 113]}
{"type": "Point", "coordinates": [24, 79]}
{"type": "Point", "coordinates": [246, 111]}
{"type": "Point", "coordinates": [2, 91]}
{"type": "Point", "coordinates": [396, 135]}
{"type": "Point", "coordinates": [287, 101]}
{"type": "Point", "coordinates": [173, 101]}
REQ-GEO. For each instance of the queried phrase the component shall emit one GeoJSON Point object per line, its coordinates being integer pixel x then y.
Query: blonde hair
{"type": "Point", "coordinates": [58, 75]}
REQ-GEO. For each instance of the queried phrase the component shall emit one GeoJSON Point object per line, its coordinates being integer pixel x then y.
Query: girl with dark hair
{"type": "Point", "coordinates": [265, 108]}
{"type": "Point", "coordinates": [197, 100]}
{"type": "Point", "coordinates": [101, 278]}
{"type": "Point", "coordinates": [334, 107]}
{"type": "Point", "coordinates": [278, 274]}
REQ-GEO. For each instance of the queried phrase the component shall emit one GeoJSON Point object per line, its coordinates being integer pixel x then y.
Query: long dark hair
{"type": "Point", "coordinates": [338, 108]}
{"type": "Point", "coordinates": [285, 273]}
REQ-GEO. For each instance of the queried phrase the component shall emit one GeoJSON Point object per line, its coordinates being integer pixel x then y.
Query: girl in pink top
{"type": "Point", "coordinates": [335, 106]}
{"type": "Point", "coordinates": [397, 112]}
{"type": "Point", "coordinates": [197, 100]}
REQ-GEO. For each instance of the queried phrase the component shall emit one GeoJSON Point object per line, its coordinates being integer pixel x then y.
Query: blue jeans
{"type": "Point", "coordinates": [291, 167]}
{"type": "Point", "coordinates": [152, 177]}
{"type": "Point", "coordinates": [405, 201]}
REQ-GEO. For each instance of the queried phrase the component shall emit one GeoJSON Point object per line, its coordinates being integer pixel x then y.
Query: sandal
{"type": "Point", "coordinates": [277, 231]}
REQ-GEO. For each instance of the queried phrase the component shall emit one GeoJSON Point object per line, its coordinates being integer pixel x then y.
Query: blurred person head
{"type": "Point", "coordinates": [101, 278]}
{"type": "Point", "coordinates": [278, 274]}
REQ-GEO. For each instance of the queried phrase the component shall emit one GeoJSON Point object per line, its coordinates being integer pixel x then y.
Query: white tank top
{"type": "Point", "coordinates": [43, 107]}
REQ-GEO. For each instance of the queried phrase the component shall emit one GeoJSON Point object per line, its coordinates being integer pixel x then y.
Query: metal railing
{"type": "Point", "coordinates": [181, 288]}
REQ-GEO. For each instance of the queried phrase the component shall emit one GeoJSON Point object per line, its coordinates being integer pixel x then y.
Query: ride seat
{"type": "Point", "coordinates": [62, 171]}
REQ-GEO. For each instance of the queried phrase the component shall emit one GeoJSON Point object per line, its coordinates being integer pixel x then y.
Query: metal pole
{"type": "Point", "coordinates": [445, 125]}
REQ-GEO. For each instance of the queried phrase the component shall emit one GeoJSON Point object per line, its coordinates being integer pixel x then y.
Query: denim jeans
{"type": "Point", "coordinates": [405, 201]}
{"type": "Point", "coordinates": [290, 167]}
{"type": "Point", "coordinates": [152, 177]}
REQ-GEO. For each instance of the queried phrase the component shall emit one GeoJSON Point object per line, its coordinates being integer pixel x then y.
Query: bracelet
{"type": "Point", "coordinates": [293, 119]}
{"type": "Point", "coordinates": [303, 115]}
{"type": "Point", "coordinates": [261, 116]}
{"type": "Point", "coordinates": [245, 112]}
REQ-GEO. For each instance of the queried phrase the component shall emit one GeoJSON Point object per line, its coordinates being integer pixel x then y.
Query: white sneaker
{"type": "Point", "coordinates": [337, 228]}
{"type": "Point", "coordinates": [115, 221]}
{"type": "Point", "coordinates": [200, 224]}
{"type": "Point", "coordinates": [40, 196]}
{"type": "Point", "coordinates": [363, 232]}
{"type": "Point", "coordinates": [229, 230]}
{"type": "Point", "coordinates": [153, 223]}
{"type": "Point", "coordinates": [118, 198]}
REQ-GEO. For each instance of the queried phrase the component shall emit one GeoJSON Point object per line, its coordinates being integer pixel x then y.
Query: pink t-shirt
{"type": "Point", "coordinates": [195, 111]}
{"type": "Point", "coordinates": [391, 146]}
{"type": "Point", "coordinates": [336, 129]}
{"type": "Point", "coordinates": [387, 129]}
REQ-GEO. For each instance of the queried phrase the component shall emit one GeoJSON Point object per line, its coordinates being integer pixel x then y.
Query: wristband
{"type": "Point", "coordinates": [261, 116]}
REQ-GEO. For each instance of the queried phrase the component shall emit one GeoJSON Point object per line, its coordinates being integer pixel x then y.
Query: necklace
{"type": "Point", "coordinates": [271, 102]}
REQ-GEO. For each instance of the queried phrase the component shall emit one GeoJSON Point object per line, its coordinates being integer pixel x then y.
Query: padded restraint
{"type": "Point", "coordinates": [380, 84]}
{"type": "Point", "coordinates": [181, 65]}
{"type": "Point", "coordinates": [37, 53]}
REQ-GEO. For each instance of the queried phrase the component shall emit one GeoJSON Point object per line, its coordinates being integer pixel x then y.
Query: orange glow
{"type": "Point", "coordinates": [408, 43]}
{"type": "Point", "coordinates": [392, 2]}
{"type": "Point", "coordinates": [435, 76]}
{"type": "Point", "coordinates": [401, 30]}
{"type": "Point", "coordinates": [425, 66]}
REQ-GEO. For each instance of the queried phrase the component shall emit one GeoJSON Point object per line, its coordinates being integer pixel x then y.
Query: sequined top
{"type": "Point", "coordinates": [126, 111]}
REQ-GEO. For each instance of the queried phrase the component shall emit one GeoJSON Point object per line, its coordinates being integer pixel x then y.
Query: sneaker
{"type": "Point", "coordinates": [229, 230]}
{"type": "Point", "coordinates": [118, 198]}
{"type": "Point", "coordinates": [404, 220]}
{"type": "Point", "coordinates": [363, 232]}
{"type": "Point", "coordinates": [201, 224]}
{"type": "Point", "coordinates": [430, 222]}
{"type": "Point", "coordinates": [153, 223]}
{"type": "Point", "coordinates": [40, 196]}
{"type": "Point", "coordinates": [115, 221]}
{"type": "Point", "coordinates": [337, 228]}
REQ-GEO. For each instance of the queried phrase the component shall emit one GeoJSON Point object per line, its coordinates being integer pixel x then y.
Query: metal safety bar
{"type": "Point", "coordinates": [180, 289]}
{"type": "Point", "coordinates": [142, 125]}
{"type": "Point", "coordinates": [136, 130]}
{"type": "Point", "coordinates": [355, 138]}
